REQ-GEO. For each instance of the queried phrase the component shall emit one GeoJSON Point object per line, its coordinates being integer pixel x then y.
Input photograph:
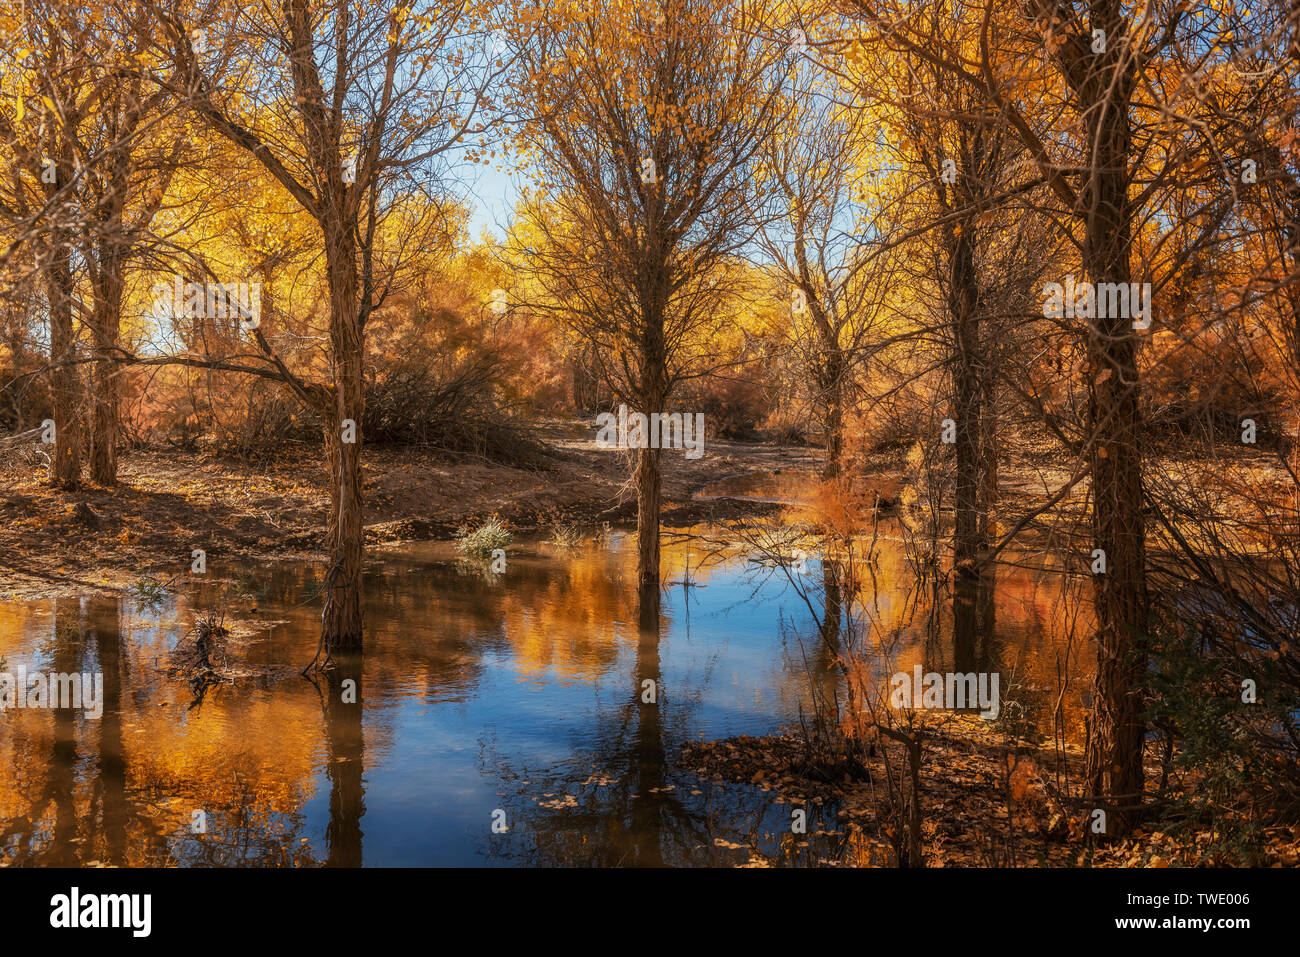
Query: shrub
{"type": "Point", "coordinates": [567, 534]}
{"type": "Point", "coordinates": [439, 380]}
{"type": "Point", "coordinates": [484, 540]}
{"type": "Point", "coordinates": [733, 408]}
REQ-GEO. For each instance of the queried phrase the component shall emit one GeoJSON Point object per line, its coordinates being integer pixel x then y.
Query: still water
{"type": "Point", "coordinates": [512, 698]}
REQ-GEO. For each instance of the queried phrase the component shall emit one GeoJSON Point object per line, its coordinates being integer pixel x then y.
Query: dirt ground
{"type": "Point", "coordinates": [168, 503]}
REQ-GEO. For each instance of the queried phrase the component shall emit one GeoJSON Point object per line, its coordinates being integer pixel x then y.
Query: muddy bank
{"type": "Point", "coordinates": [168, 503]}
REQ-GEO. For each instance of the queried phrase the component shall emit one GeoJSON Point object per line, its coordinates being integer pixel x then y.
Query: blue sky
{"type": "Point", "coordinates": [492, 194]}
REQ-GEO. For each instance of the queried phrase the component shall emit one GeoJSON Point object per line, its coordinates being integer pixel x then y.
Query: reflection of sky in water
{"type": "Point", "coordinates": [478, 694]}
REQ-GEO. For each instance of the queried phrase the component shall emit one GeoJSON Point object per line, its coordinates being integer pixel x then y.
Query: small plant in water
{"type": "Point", "coordinates": [201, 654]}
{"type": "Point", "coordinates": [567, 534]}
{"type": "Point", "coordinates": [148, 590]}
{"type": "Point", "coordinates": [484, 540]}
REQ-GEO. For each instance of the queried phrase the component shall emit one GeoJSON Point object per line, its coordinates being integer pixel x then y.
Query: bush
{"type": "Point", "coordinates": [567, 534]}
{"type": "Point", "coordinates": [24, 397]}
{"type": "Point", "coordinates": [484, 540]}
{"type": "Point", "coordinates": [432, 378]}
{"type": "Point", "coordinates": [1182, 406]}
{"type": "Point", "coordinates": [438, 380]}
{"type": "Point", "coordinates": [733, 408]}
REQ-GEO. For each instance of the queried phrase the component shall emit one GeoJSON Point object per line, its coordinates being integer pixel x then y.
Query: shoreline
{"type": "Point", "coordinates": [97, 541]}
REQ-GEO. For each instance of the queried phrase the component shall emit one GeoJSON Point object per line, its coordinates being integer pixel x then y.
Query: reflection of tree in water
{"type": "Point", "coordinates": [345, 770]}
{"type": "Point", "coordinates": [543, 600]}
{"type": "Point", "coordinates": [242, 826]}
{"type": "Point", "coordinates": [132, 806]}
{"type": "Point", "coordinates": [623, 816]}
{"type": "Point", "coordinates": [98, 794]}
{"type": "Point", "coordinates": [102, 830]}
{"type": "Point", "coordinates": [635, 808]}
{"type": "Point", "coordinates": [974, 621]}
{"type": "Point", "coordinates": [109, 789]}
{"type": "Point", "coordinates": [244, 832]}
{"type": "Point", "coordinates": [648, 812]}
{"type": "Point", "coordinates": [61, 784]}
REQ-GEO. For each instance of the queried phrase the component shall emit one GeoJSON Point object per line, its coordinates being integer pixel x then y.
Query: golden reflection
{"type": "Point", "coordinates": [554, 689]}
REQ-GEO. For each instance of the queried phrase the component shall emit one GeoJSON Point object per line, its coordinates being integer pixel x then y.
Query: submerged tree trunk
{"type": "Point", "coordinates": [652, 393]}
{"type": "Point", "coordinates": [970, 346]}
{"type": "Point", "coordinates": [1114, 751]}
{"type": "Point", "coordinates": [648, 502]}
{"type": "Point", "coordinates": [974, 621]}
{"type": "Point", "coordinates": [832, 601]}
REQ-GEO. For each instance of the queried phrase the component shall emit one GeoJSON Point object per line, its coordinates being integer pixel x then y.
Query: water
{"type": "Point", "coordinates": [517, 695]}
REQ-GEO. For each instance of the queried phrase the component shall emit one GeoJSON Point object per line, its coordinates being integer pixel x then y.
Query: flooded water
{"type": "Point", "coordinates": [512, 698]}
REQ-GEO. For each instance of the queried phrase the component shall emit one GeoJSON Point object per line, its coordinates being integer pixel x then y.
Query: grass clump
{"type": "Point", "coordinates": [567, 534]}
{"type": "Point", "coordinates": [481, 542]}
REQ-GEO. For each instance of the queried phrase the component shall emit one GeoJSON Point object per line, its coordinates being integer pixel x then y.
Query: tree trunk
{"type": "Point", "coordinates": [1290, 217]}
{"type": "Point", "coordinates": [342, 619]}
{"type": "Point", "coordinates": [105, 376]}
{"type": "Point", "coordinates": [68, 432]}
{"type": "Point", "coordinates": [832, 386]}
{"type": "Point", "coordinates": [974, 620]}
{"type": "Point", "coordinates": [653, 394]}
{"type": "Point", "coordinates": [968, 403]}
{"type": "Point", "coordinates": [647, 519]}
{"type": "Point", "coordinates": [832, 602]}
{"type": "Point", "coordinates": [988, 442]}
{"type": "Point", "coordinates": [1115, 734]}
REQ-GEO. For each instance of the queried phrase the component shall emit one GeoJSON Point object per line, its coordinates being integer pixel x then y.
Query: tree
{"type": "Point", "coordinates": [347, 105]}
{"type": "Point", "coordinates": [644, 128]}
{"type": "Point", "coordinates": [54, 78]}
{"type": "Point", "coordinates": [827, 271]}
{"type": "Point", "coordinates": [1100, 72]}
